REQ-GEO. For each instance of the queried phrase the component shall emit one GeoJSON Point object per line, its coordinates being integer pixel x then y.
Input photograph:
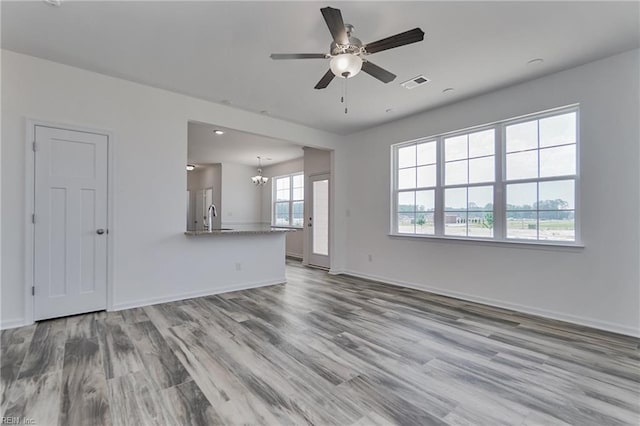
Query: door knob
{"type": "Point", "coordinates": [100, 231]}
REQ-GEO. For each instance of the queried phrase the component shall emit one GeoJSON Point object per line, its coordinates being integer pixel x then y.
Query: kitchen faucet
{"type": "Point", "coordinates": [211, 213]}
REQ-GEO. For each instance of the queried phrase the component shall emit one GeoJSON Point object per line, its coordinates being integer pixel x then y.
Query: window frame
{"type": "Point", "coordinates": [499, 183]}
{"type": "Point", "coordinates": [290, 201]}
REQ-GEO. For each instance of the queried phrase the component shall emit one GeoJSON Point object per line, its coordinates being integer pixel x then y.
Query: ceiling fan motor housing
{"type": "Point", "coordinates": [354, 46]}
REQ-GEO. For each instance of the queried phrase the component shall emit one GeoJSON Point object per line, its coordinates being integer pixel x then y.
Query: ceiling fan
{"type": "Point", "coordinates": [347, 53]}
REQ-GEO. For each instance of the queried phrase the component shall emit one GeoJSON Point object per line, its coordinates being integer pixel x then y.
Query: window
{"type": "Point", "coordinates": [416, 184]}
{"type": "Point", "coordinates": [288, 196]}
{"type": "Point", "coordinates": [509, 181]}
{"type": "Point", "coordinates": [469, 176]}
{"type": "Point", "coordinates": [540, 164]}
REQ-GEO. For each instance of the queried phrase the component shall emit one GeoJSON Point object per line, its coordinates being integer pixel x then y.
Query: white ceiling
{"type": "Point", "coordinates": [219, 51]}
{"type": "Point", "coordinates": [205, 147]}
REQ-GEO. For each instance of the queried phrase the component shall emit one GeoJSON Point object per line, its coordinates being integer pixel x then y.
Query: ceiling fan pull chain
{"type": "Point", "coordinates": [344, 90]}
{"type": "Point", "coordinates": [346, 100]}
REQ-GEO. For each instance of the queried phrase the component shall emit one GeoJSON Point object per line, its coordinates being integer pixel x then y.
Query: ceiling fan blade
{"type": "Point", "coordinates": [407, 37]}
{"type": "Point", "coordinates": [299, 56]}
{"type": "Point", "coordinates": [333, 18]}
{"type": "Point", "coordinates": [325, 80]}
{"type": "Point", "coordinates": [377, 72]}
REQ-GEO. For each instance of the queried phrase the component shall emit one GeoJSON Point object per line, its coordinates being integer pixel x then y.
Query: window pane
{"type": "Point", "coordinates": [427, 153]}
{"type": "Point", "coordinates": [455, 173]}
{"type": "Point", "coordinates": [406, 223]}
{"type": "Point", "coordinates": [481, 143]}
{"type": "Point", "coordinates": [298, 193]}
{"type": "Point", "coordinates": [522, 196]}
{"type": "Point", "coordinates": [282, 183]}
{"type": "Point", "coordinates": [558, 130]}
{"type": "Point", "coordinates": [282, 195]}
{"type": "Point", "coordinates": [425, 200]}
{"type": "Point", "coordinates": [406, 178]}
{"type": "Point", "coordinates": [522, 165]}
{"type": "Point", "coordinates": [557, 195]}
{"type": "Point", "coordinates": [480, 198]}
{"type": "Point", "coordinates": [406, 201]}
{"type": "Point", "coordinates": [298, 214]}
{"type": "Point", "coordinates": [522, 224]}
{"type": "Point", "coordinates": [282, 214]}
{"type": "Point", "coordinates": [455, 223]}
{"type": "Point", "coordinates": [424, 223]}
{"type": "Point", "coordinates": [407, 156]}
{"type": "Point", "coordinates": [455, 199]}
{"type": "Point", "coordinates": [482, 170]}
{"type": "Point", "coordinates": [480, 224]}
{"type": "Point", "coordinates": [426, 176]}
{"type": "Point", "coordinates": [298, 181]}
{"type": "Point", "coordinates": [559, 228]}
{"type": "Point", "coordinates": [320, 214]}
{"type": "Point", "coordinates": [455, 148]}
{"type": "Point", "coordinates": [522, 136]}
{"type": "Point", "coordinates": [558, 161]}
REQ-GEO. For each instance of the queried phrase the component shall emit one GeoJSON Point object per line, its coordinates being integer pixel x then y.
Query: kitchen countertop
{"type": "Point", "coordinates": [239, 230]}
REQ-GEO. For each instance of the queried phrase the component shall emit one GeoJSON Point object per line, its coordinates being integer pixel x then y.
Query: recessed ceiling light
{"type": "Point", "coordinates": [535, 61]}
{"type": "Point", "coordinates": [218, 132]}
{"type": "Point", "coordinates": [190, 167]}
{"type": "Point", "coordinates": [388, 110]}
{"type": "Point", "coordinates": [55, 3]}
{"type": "Point", "coordinates": [447, 90]}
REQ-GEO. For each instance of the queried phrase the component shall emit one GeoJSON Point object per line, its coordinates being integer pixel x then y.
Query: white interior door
{"type": "Point", "coordinates": [319, 221]}
{"type": "Point", "coordinates": [70, 250]}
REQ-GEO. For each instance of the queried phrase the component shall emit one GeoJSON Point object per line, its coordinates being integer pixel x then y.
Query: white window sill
{"type": "Point", "coordinates": [526, 244]}
{"type": "Point", "coordinates": [288, 227]}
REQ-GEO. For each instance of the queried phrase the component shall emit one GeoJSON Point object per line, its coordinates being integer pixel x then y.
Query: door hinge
{"type": "Point", "coordinates": [33, 291]}
{"type": "Point", "coordinates": [34, 146]}
{"type": "Point", "coordinates": [33, 218]}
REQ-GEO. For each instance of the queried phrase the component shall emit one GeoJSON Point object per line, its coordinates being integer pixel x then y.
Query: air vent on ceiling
{"type": "Point", "coordinates": [415, 82]}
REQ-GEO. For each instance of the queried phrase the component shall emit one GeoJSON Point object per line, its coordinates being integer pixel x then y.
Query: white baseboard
{"type": "Point", "coordinates": [191, 295]}
{"type": "Point", "coordinates": [12, 323]}
{"type": "Point", "coordinates": [574, 319]}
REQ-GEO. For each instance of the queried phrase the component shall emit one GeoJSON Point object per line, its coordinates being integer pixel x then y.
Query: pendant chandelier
{"type": "Point", "coordinates": [259, 179]}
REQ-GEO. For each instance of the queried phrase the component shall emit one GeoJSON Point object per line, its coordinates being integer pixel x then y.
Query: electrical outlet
{"type": "Point", "coordinates": [238, 266]}
{"type": "Point", "coordinates": [370, 258]}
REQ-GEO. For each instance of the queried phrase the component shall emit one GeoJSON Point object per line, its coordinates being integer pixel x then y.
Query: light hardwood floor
{"type": "Point", "coordinates": [320, 350]}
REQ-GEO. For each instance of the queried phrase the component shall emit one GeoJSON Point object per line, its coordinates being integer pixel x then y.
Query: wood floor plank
{"type": "Point", "coordinates": [119, 353]}
{"type": "Point", "coordinates": [160, 362]}
{"type": "Point", "coordinates": [36, 398]}
{"type": "Point", "coordinates": [134, 400]}
{"type": "Point", "coordinates": [84, 399]}
{"type": "Point", "coordinates": [221, 385]}
{"type": "Point", "coordinates": [46, 350]}
{"type": "Point", "coordinates": [189, 406]}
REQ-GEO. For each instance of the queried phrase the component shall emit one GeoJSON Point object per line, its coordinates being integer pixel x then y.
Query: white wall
{"type": "Point", "coordinates": [241, 199]}
{"type": "Point", "coordinates": [597, 285]}
{"type": "Point", "coordinates": [153, 260]}
{"type": "Point", "coordinates": [295, 239]}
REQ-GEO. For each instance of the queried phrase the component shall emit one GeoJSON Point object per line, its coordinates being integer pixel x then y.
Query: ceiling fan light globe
{"type": "Point", "coordinates": [346, 65]}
